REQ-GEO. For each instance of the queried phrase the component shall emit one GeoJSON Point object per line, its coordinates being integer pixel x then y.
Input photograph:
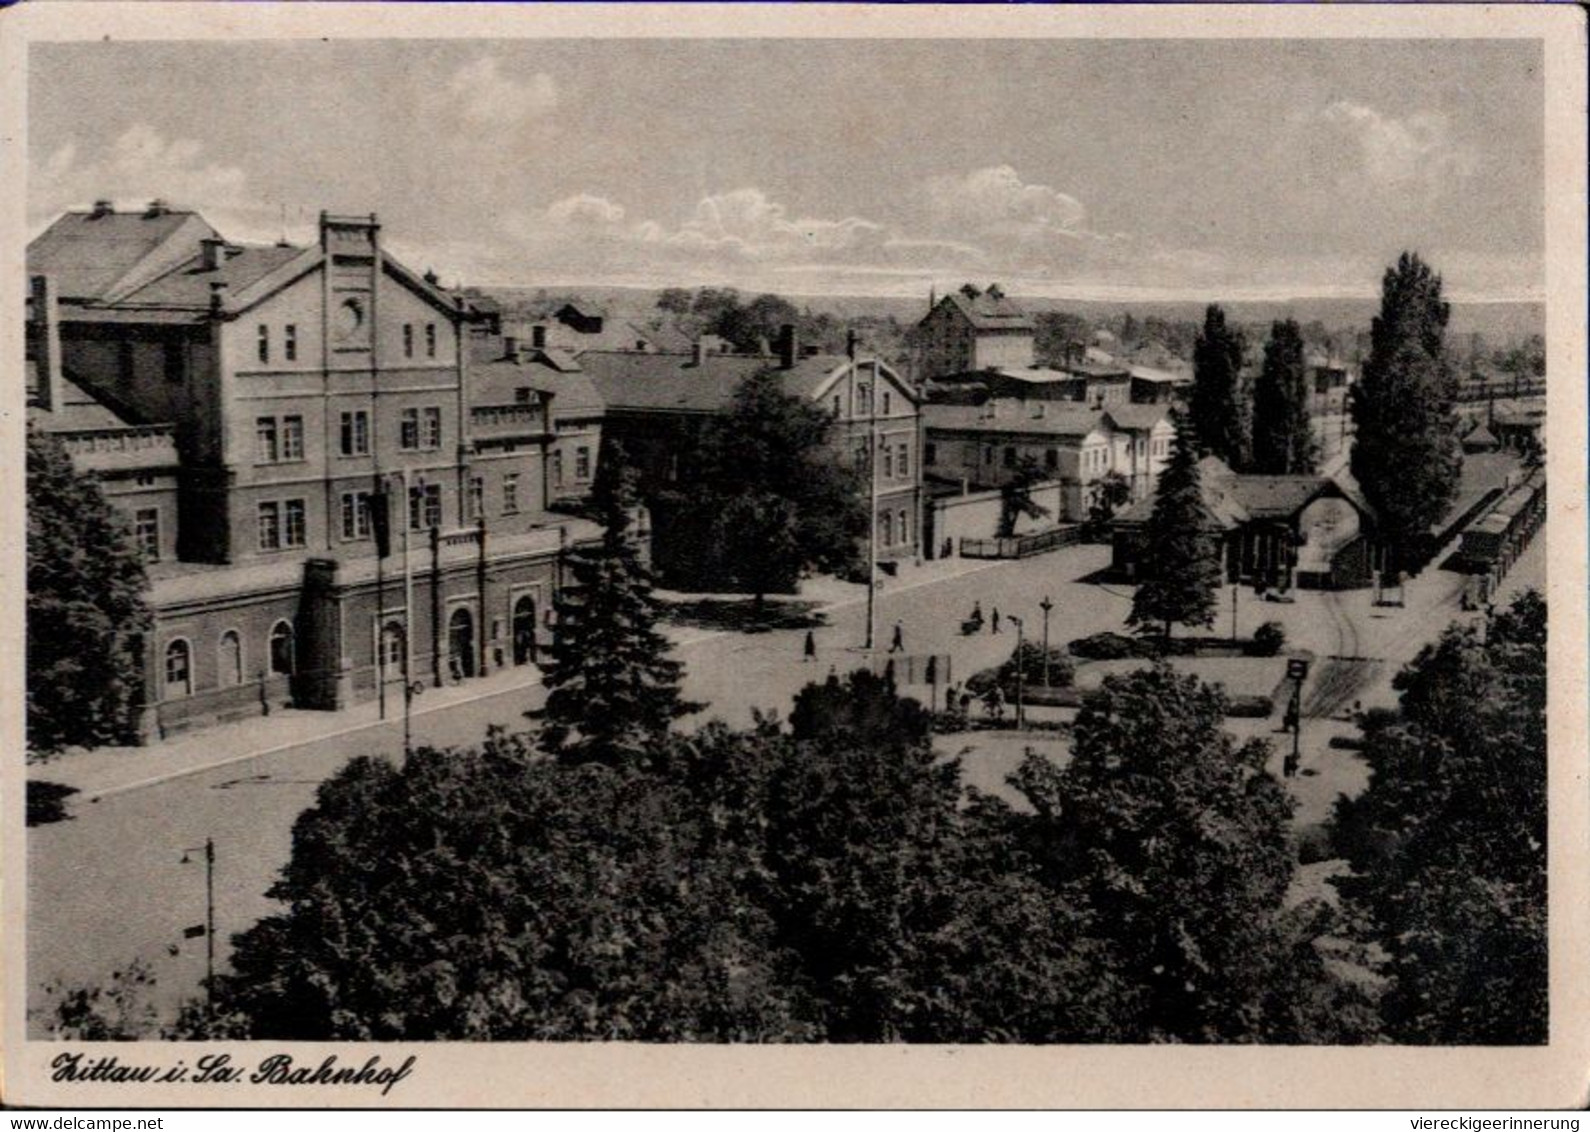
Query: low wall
{"type": "Point", "coordinates": [975, 515]}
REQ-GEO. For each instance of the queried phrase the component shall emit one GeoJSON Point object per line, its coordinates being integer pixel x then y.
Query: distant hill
{"type": "Point", "coordinates": [1498, 322]}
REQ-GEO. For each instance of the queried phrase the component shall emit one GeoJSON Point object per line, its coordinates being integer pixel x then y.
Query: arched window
{"type": "Point", "coordinates": [392, 649]}
{"type": "Point", "coordinates": [229, 659]}
{"type": "Point", "coordinates": [179, 669]}
{"type": "Point", "coordinates": [282, 649]}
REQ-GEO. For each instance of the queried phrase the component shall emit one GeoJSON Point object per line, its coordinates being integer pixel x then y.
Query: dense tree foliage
{"type": "Point", "coordinates": [1448, 844]}
{"type": "Point", "coordinates": [1405, 451]}
{"type": "Point", "coordinates": [1015, 496]}
{"type": "Point", "coordinates": [769, 503]}
{"type": "Point", "coordinates": [86, 609]}
{"type": "Point", "coordinates": [612, 687]}
{"type": "Point", "coordinates": [1179, 560]}
{"type": "Point", "coordinates": [1283, 434]}
{"type": "Point", "coordinates": [1216, 407]}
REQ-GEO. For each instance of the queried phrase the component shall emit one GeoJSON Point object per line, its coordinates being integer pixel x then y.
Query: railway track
{"type": "Point", "coordinates": [1344, 673]}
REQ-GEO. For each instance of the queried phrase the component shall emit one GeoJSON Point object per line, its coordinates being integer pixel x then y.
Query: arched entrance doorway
{"type": "Point", "coordinates": [461, 644]}
{"type": "Point", "coordinates": [524, 630]}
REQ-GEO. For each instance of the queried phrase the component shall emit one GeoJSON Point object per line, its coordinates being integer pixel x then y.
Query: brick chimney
{"type": "Point", "coordinates": [788, 348]}
{"type": "Point", "coordinates": [212, 252]}
{"type": "Point", "coordinates": [157, 208]}
{"type": "Point", "coordinates": [46, 343]}
{"type": "Point", "coordinates": [103, 207]}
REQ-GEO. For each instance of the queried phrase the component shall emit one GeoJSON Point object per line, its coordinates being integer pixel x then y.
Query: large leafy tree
{"type": "Point", "coordinates": [612, 688]}
{"type": "Point", "coordinates": [1448, 843]}
{"type": "Point", "coordinates": [1405, 449]}
{"type": "Point", "coordinates": [1179, 839]}
{"type": "Point", "coordinates": [1180, 556]}
{"type": "Point", "coordinates": [770, 504]}
{"type": "Point", "coordinates": [1216, 403]}
{"type": "Point", "coordinates": [1015, 496]}
{"type": "Point", "coordinates": [1283, 435]}
{"type": "Point", "coordinates": [86, 609]}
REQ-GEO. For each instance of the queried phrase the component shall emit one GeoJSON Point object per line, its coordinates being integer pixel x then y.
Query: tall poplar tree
{"type": "Point", "coordinates": [1405, 451]}
{"type": "Point", "coordinates": [1181, 557]}
{"type": "Point", "coordinates": [1216, 404]}
{"type": "Point", "coordinates": [1283, 438]}
{"type": "Point", "coordinates": [613, 689]}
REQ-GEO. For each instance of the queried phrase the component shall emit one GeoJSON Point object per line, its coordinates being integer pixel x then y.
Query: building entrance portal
{"type": "Point", "coordinates": [461, 644]}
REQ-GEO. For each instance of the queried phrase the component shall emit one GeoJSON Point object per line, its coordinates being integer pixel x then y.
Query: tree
{"type": "Point", "coordinates": [770, 502]}
{"type": "Point", "coordinates": [1109, 493]}
{"type": "Point", "coordinates": [1448, 843]}
{"type": "Point", "coordinates": [1215, 407]}
{"type": "Point", "coordinates": [1180, 561]}
{"type": "Point", "coordinates": [86, 609]}
{"type": "Point", "coordinates": [1015, 496]}
{"type": "Point", "coordinates": [1283, 434]}
{"type": "Point", "coordinates": [612, 688]}
{"type": "Point", "coordinates": [1405, 453]}
{"type": "Point", "coordinates": [1179, 839]}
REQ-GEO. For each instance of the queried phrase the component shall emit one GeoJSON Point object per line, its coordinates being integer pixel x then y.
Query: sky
{"type": "Point", "coordinates": [1158, 169]}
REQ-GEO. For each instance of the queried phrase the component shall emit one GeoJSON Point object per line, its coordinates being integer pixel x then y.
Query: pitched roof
{"type": "Point", "coordinates": [188, 284]}
{"type": "Point", "coordinates": [976, 418]}
{"type": "Point", "coordinates": [1138, 418]}
{"type": "Point", "coordinates": [88, 253]}
{"type": "Point", "coordinates": [497, 382]}
{"type": "Point", "coordinates": [989, 313]}
{"type": "Point", "coordinates": [662, 382]}
{"type": "Point", "coordinates": [79, 410]}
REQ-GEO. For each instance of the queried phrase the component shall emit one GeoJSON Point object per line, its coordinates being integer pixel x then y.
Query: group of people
{"type": "Point", "coordinates": [974, 623]}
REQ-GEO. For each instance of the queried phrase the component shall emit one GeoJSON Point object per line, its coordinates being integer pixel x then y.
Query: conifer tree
{"type": "Point", "coordinates": [613, 689]}
{"type": "Point", "coordinates": [1283, 439]}
{"type": "Point", "coordinates": [1216, 405]}
{"type": "Point", "coordinates": [1181, 558]}
{"type": "Point", "coordinates": [1405, 450]}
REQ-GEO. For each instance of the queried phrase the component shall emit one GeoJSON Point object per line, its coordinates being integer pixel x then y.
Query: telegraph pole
{"type": "Point", "coordinates": [872, 490]}
{"type": "Point", "coordinates": [1021, 710]}
{"type": "Point", "coordinates": [1046, 605]}
{"type": "Point", "coordinates": [209, 921]}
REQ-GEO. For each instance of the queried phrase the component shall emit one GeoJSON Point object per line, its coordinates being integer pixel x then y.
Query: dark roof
{"type": "Point", "coordinates": [86, 254]}
{"type": "Point", "coordinates": [989, 313]}
{"type": "Point", "coordinates": [660, 382]}
{"type": "Point", "coordinates": [1061, 421]}
{"type": "Point", "coordinates": [1230, 499]}
{"type": "Point", "coordinates": [1274, 497]}
{"type": "Point", "coordinates": [496, 383]}
{"type": "Point", "coordinates": [1137, 418]}
{"type": "Point", "coordinates": [188, 284]}
{"type": "Point", "coordinates": [78, 410]}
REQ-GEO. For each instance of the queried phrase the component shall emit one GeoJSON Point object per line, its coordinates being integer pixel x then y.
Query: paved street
{"type": "Point", "coordinates": [108, 886]}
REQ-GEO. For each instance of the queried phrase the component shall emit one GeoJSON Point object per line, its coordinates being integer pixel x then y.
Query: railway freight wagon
{"type": "Point", "coordinates": [1494, 541]}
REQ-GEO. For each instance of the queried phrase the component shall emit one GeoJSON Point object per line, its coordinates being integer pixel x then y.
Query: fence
{"type": "Point", "coordinates": [1021, 546]}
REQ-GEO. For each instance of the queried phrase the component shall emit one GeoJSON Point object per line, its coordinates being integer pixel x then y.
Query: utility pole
{"type": "Point", "coordinates": [1021, 710]}
{"type": "Point", "coordinates": [209, 921]}
{"type": "Point", "coordinates": [872, 489]}
{"type": "Point", "coordinates": [1235, 588]}
{"type": "Point", "coordinates": [1046, 605]}
{"type": "Point", "coordinates": [408, 616]}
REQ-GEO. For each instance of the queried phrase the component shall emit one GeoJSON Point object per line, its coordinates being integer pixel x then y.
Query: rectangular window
{"type": "Point", "coordinates": [538, 337]}
{"type": "Point", "coordinates": [355, 515]}
{"type": "Point", "coordinates": [888, 462]}
{"type": "Point", "coordinates": [521, 395]}
{"type": "Point", "coordinates": [264, 343]}
{"type": "Point", "coordinates": [146, 532]}
{"type": "Point", "coordinates": [356, 433]}
{"type": "Point", "coordinates": [430, 339]}
{"type": "Point", "coordinates": [433, 428]}
{"type": "Point", "coordinates": [409, 430]}
{"type": "Point", "coordinates": [582, 464]}
{"type": "Point", "coordinates": [292, 438]}
{"type": "Point", "coordinates": [270, 526]}
{"type": "Point", "coordinates": [425, 507]}
{"type": "Point", "coordinates": [290, 342]}
{"type": "Point", "coordinates": [477, 496]}
{"type": "Point", "coordinates": [886, 402]}
{"type": "Point", "coordinates": [265, 433]}
{"type": "Point", "coordinates": [557, 468]}
{"type": "Point", "coordinates": [408, 339]}
{"type": "Point", "coordinates": [903, 461]}
{"type": "Point", "coordinates": [510, 493]}
{"type": "Point", "coordinates": [930, 454]}
{"type": "Point", "coordinates": [836, 404]}
{"type": "Point", "coordinates": [905, 526]}
{"type": "Point", "coordinates": [293, 523]}
{"type": "Point", "coordinates": [1010, 457]}
{"type": "Point", "coordinates": [1051, 459]}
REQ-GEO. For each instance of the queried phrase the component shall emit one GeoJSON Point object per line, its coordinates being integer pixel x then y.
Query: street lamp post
{"type": "Point", "coordinates": [208, 848]}
{"type": "Point", "coordinates": [1021, 711]}
{"type": "Point", "coordinates": [1046, 605]}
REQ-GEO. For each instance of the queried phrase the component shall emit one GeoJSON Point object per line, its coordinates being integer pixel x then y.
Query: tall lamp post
{"type": "Point", "coordinates": [1046, 605]}
{"type": "Point", "coordinates": [872, 488]}
{"type": "Point", "coordinates": [208, 849]}
{"type": "Point", "coordinates": [1021, 711]}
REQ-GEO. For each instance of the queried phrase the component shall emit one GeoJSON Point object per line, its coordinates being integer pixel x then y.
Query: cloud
{"type": "Point", "coordinates": [1415, 151]}
{"type": "Point", "coordinates": [584, 210]}
{"type": "Point", "coordinates": [486, 96]}
{"type": "Point", "coordinates": [996, 203]}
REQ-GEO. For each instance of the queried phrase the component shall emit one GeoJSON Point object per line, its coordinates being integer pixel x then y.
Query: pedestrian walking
{"type": "Point", "coordinates": [811, 648]}
{"type": "Point", "coordinates": [996, 618]}
{"type": "Point", "coordinates": [995, 702]}
{"type": "Point", "coordinates": [898, 643]}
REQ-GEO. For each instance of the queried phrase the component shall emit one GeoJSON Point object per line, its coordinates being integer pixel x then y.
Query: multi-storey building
{"type": "Point", "coordinates": [306, 393]}
{"type": "Point", "coordinates": [971, 330]}
{"type": "Point", "coordinates": [656, 404]}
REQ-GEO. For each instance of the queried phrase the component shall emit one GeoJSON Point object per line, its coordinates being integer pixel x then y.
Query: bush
{"type": "Point", "coordinates": [1249, 707]}
{"type": "Point", "coordinates": [1314, 844]}
{"type": "Point", "coordinates": [1062, 672]}
{"type": "Point", "coordinates": [1107, 646]}
{"type": "Point", "coordinates": [1269, 639]}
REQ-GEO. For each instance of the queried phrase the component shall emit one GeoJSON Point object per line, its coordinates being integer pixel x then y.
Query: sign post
{"type": "Point", "coordinates": [1297, 672]}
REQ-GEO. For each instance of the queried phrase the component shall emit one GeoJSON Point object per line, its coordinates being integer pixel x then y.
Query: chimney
{"type": "Point", "coordinates": [103, 208]}
{"type": "Point", "coordinates": [46, 343]}
{"type": "Point", "coordinates": [217, 296]}
{"type": "Point", "coordinates": [211, 252]}
{"type": "Point", "coordinates": [788, 346]}
{"type": "Point", "coordinates": [157, 208]}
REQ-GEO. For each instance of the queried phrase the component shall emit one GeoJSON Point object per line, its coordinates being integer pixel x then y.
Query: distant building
{"type": "Point", "coordinates": [247, 406]}
{"type": "Point", "coordinates": [974, 330]}
{"type": "Point", "coordinates": [1275, 531]}
{"type": "Point", "coordinates": [655, 405]}
{"type": "Point", "coordinates": [1155, 386]}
